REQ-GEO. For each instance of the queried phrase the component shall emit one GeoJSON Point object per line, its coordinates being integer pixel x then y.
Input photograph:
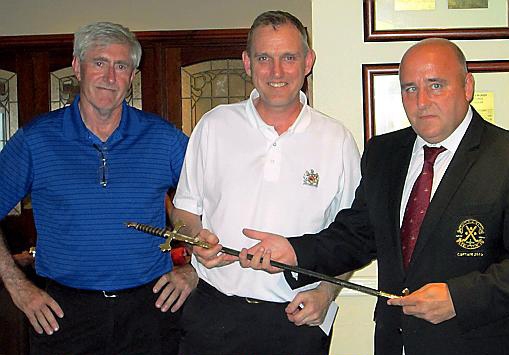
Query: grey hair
{"type": "Point", "coordinates": [276, 19]}
{"type": "Point", "coordinates": [103, 34]}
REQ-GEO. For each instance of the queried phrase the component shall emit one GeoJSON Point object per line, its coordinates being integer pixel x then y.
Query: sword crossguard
{"type": "Point", "coordinates": [169, 235]}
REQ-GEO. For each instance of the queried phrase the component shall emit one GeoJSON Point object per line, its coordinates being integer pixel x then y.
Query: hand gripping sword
{"type": "Point", "coordinates": [195, 241]}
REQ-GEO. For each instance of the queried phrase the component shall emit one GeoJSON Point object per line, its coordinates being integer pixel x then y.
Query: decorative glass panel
{"type": "Point", "coordinates": [8, 106]}
{"type": "Point", "coordinates": [65, 86]}
{"type": "Point", "coordinates": [208, 84]}
{"type": "Point", "coordinates": [8, 113]}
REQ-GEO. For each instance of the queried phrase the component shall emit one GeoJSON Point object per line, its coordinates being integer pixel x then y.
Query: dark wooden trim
{"type": "Point", "coordinates": [373, 35]}
{"type": "Point", "coordinates": [195, 38]}
{"type": "Point", "coordinates": [173, 79]}
{"type": "Point", "coordinates": [179, 38]}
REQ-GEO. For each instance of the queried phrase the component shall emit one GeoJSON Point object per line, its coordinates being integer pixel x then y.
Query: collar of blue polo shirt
{"type": "Point", "coordinates": [174, 234]}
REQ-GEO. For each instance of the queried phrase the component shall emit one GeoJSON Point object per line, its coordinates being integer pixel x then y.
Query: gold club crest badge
{"type": "Point", "coordinates": [311, 178]}
{"type": "Point", "coordinates": [470, 234]}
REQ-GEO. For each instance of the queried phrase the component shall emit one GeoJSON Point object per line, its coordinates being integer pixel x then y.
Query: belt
{"type": "Point", "coordinates": [107, 294]}
{"type": "Point", "coordinates": [209, 289]}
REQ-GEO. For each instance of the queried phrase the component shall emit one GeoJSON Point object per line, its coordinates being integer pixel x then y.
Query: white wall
{"type": "Point", "coordinates": [63, 16]}
{"type": "Point", "coordinates": [337, 90]}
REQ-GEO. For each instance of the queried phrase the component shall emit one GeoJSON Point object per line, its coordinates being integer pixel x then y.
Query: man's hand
{"type": "Point", "coordinates": [23, 259]}
{"type": "Point", "coordinates": [175, 287]}
{"type": "Point", "coordinates": [310, 307]}
{"type": "Point", "coordinates": [271, 246]}
{"type": "Point", "coordinates": [39, 307]}
{"type": "Point", "coordinates": [211, 257]}
{"type": "Point", "coordinates": [432, 302]}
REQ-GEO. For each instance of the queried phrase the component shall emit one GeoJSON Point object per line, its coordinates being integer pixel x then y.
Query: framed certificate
{"type": "Point", "coordinates": [402, 20]}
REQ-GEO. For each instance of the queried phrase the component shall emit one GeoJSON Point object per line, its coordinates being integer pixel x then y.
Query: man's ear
{"type": "Point", "coordinates": [310, 60]}
{"type": "Point", "coordinates": [469, 87]}
{"type": "Point", "coordinates": [76, 67]}
{"type": "Point", "coordinates": [247, 62]}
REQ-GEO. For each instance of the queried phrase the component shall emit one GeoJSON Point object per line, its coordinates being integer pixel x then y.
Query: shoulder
{"type": "Point", "coordinates": [225, 112]}
{"type": "Point", "coordinates": [401, 136]}
{"type": "Point", "coordinates": [45, 122]}
{"type": "Point", "coordinates": [156, 124]}
{"type": "Point", "coordinates": [223, 120]}
{"type": "Point", "coordinates": [328, 125]}
{"type": "Point", "coordinates": [495, 138]}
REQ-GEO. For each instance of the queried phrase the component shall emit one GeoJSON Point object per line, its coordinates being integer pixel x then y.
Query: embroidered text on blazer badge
{"type": "Point", "coordinates": [470, 236]}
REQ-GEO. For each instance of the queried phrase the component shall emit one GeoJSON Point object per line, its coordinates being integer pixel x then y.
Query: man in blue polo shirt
{"type": "Point", "coordinates": [89, 168]}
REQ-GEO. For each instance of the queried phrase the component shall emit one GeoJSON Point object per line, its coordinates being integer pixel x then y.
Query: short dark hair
{"type": "Point", "coordinates": [276, 19]}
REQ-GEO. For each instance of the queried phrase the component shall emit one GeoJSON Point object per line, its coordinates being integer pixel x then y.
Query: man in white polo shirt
{"type": "Point", "coordinates": [272, 163]}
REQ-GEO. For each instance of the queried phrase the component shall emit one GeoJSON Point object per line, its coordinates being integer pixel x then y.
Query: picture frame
{"type": "Point", "coordinates": [387, 114]}
{"type": "Point", "coordinates": [475, 26]}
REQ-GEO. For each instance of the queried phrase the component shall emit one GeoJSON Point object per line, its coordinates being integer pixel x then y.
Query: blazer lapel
{"type": "Point", "coordinates": [400, 160]}
{"type": "Point", "coordinates": [463, 159]}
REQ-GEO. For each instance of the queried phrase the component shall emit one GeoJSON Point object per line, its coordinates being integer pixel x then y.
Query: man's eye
{"type": "Point", "coordinates": [122, 67]}
{"type": "Point", "coordinates": [99, 63]}
{"type": "Point", "coordinates": [436, 86]}
{"type": "Point", "coordinates": [410, 89]}
{"type": "Point", "coordinates": [262, 58]}
{"type": "Point", "coordinates": [290, 58]}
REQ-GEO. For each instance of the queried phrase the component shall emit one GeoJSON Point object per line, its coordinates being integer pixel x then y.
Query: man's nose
{"type": "Point", "coordinates": [422, 98]}
{"type": "Point", "coordinates": [277, 69]}
{"type": "Point", "coordinates": [110, 74]}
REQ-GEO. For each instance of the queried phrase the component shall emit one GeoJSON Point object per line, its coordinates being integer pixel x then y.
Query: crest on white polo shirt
{"type": "Point", "coordinates": [311, 178]}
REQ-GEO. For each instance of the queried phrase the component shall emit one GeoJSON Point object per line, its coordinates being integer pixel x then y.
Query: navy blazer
{"type": "Point", "coordinates": [463, 241]}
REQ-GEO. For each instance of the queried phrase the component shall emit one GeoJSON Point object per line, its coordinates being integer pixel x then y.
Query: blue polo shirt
{"type": "Point", "coordinates": [81, 239]}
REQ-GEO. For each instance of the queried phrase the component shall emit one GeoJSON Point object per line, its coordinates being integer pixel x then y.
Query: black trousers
{"type": "Point", "coordinates": [113, 323]}
{"type": "Point", "coordinates": [216, 324]}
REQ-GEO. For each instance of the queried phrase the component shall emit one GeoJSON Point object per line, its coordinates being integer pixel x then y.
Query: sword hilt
{"type": "Point", "coordinates": [169, 235]}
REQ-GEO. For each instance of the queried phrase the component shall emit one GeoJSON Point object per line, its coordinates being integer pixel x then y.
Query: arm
{"type": "Point", "coordinates": [37, 305]}
{"type": "Point", "coordinates": [16, 180]}
{"type": "Point", "coordinates": [175, 286]}
{"type": "Point", "coordinates": [310, 307]}
{"type": "Point", "coordinates": [211, 257]}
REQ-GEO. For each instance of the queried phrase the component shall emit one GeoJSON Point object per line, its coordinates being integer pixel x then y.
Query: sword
{"type": "Point", "coordinates": [175, 235]}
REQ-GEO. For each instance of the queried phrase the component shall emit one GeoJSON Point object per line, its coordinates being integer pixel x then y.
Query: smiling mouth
{"type": "Point", "coordinates": [278, 85]}
{"type": "Point", "coordinates": [106, 88]}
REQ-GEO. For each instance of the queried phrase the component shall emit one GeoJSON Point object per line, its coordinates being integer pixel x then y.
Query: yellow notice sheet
{"type": "Point", "coordinates": [414, 5]}
{"type": "Point", "coordinates": [484, 103]}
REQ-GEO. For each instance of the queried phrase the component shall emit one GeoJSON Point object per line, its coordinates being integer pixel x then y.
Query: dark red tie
{"type": "Point", "coordinates": [417, 204]}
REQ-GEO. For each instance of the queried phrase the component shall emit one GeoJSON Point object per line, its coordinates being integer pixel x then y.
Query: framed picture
{"type": "Point", "coordinates": [383, 109]}
{"type": "Point", "coordinates": [404, 20]}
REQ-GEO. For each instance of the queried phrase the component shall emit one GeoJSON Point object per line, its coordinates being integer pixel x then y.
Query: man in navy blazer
{"type": "Point", "coordinates": [458, 275]}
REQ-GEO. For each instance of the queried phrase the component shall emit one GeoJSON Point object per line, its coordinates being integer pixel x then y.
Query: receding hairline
{"type": "Point", "coordinates": [277, 19]}
{"type": "Point", "coordinates": [438, 43]}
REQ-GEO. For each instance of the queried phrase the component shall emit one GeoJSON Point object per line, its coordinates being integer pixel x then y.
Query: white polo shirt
{"type": "Point", "coordinates": [239, 173]}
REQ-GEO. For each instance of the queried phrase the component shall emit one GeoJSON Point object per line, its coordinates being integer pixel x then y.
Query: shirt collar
{"type": "Point", "coordinates": [300, 124]}
{"type": "Point", "coordinates": [74, 128]}
{"type": "Point", "coordinates": [452, 142]}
